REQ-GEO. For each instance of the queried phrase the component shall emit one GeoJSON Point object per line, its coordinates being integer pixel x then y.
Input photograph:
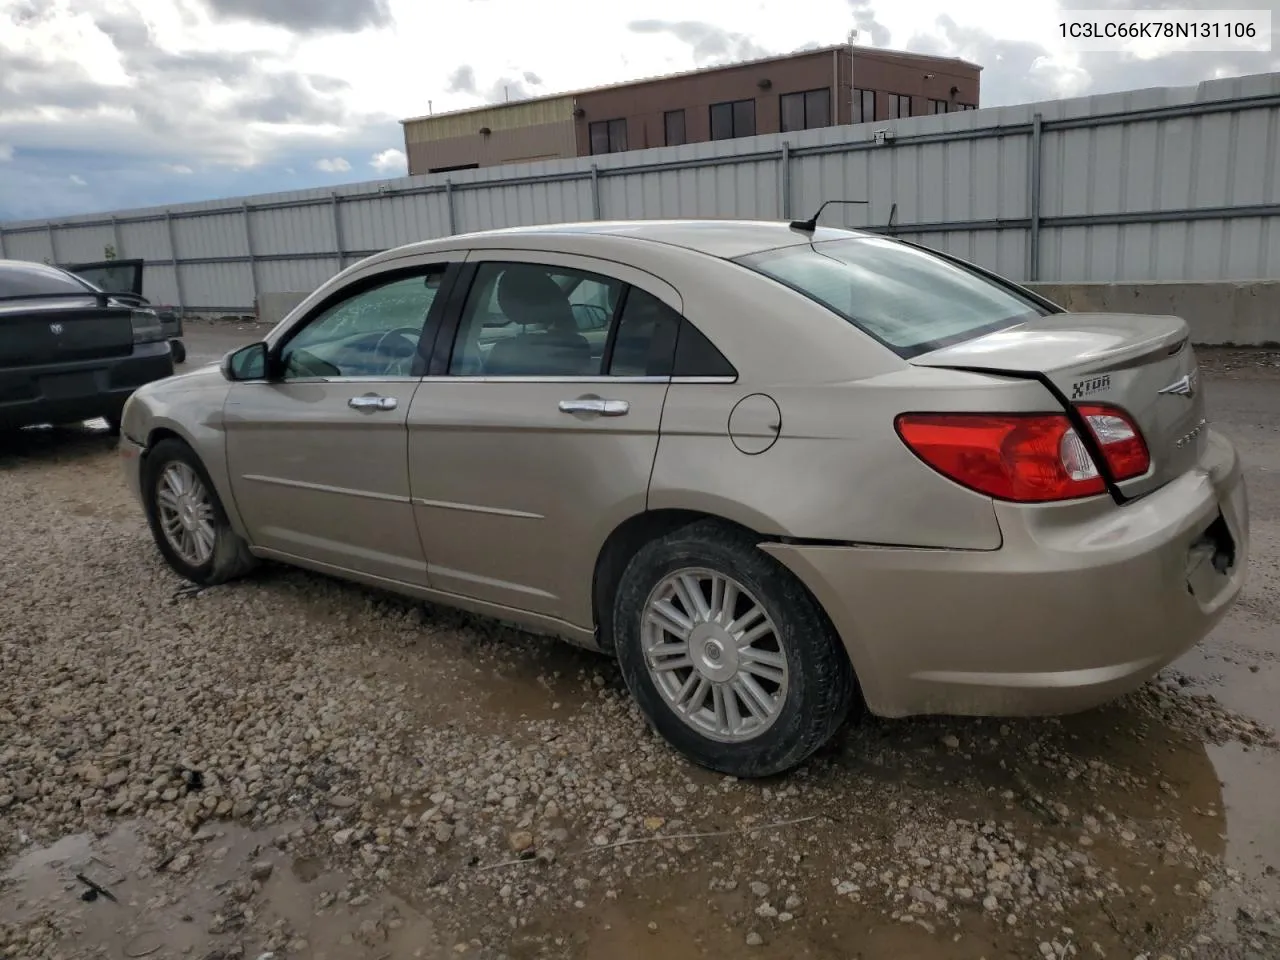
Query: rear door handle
{"type": "Point", "coordinates": [371, 401]}
{"type": "Point", "coordinates": [603, 408]}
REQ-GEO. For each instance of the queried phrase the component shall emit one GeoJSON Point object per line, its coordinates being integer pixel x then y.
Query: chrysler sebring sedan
{"type": "Point", "coordinates": [780, 473]}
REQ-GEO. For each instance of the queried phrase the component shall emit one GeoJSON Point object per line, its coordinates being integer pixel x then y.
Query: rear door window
{"type": "Point", "coordinates": [905, 297]}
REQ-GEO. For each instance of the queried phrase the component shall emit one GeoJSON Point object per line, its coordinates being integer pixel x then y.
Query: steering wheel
{"type": "Point", "coordinates": [395, 361]}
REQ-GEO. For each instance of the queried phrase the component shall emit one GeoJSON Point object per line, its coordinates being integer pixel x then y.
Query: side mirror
{"type": "Point", "coordinates": [247, 363]}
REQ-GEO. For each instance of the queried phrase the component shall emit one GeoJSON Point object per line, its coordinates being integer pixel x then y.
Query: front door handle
{"type": "Point", "coordinates": [603, 408]}
{"type": "Point", "coordinates": [371, 401]}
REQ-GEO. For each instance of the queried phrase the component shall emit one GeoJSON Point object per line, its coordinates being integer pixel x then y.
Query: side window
{"type": "Point", "coordinates": [374, 333]}
{"type": "Point", "coordinates": [533, 320]}
{"type": "Point", "coordinates": [696, 356]}
{"type": "Point", "coordinates": [646, 340]}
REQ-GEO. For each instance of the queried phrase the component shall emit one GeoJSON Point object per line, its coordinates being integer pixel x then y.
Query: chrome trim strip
{"type": "Point", "coordinates": [483, 379]}
{"type": "Point", "coordinates": [474, 508]}
{"type": "Point", "coordinates": [324, 488]}
{"type": "Point", "coordinates": [532, 379]}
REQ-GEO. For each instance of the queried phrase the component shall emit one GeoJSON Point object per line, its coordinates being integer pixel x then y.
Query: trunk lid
{"type": "Point", "coordinates": [36, 332]}
{"type": "Point", "coordinates": [1142, 363]}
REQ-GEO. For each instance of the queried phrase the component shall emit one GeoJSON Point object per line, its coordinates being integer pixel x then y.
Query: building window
{"type": "Point", "coordinates": [899, 106]}
{"type": "Point", "coordinates": [736, 118]}
{"type": "Point", "coordinates": [673, 122]}
{"type": "Point", "coordinates": [937, 106]}
{"type": "Point", "coordinates": [608, 136]}
{"type": "Point", "coordinates": [864, 106]}
{"type": "Point", "coordinates": [804, 111]}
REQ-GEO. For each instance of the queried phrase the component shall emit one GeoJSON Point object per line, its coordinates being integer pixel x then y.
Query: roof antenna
{"type": "Point", "coordinates": [893, 219]}
{"type": "Point", "coordinates": [810, 225]}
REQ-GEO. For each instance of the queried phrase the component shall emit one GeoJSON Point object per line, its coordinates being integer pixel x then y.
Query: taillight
{"type": "Point", "coordinates": [1120, 439]}
{"type": "Point", "coordinates": [1027, 458]}
{"type": "Point", "coordinates": [146, 325]}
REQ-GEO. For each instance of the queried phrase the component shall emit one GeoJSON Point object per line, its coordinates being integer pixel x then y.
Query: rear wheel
{"type": "Point", "coordinates": [186, 517]}
{"type": "Point", "coordinates": [727, 654]}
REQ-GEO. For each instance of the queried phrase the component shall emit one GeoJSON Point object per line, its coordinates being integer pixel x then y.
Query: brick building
{"type": "Point", "coordinates": [815, 88]}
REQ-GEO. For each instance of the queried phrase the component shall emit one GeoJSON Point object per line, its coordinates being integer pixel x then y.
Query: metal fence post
{"type": "Point", "coordinates": [786, 180]}
{"type": "Point", "coordinates": [177, 267]}
{"type": "Point", "coordinates": [448, 201]}
{"type": "Point", "coordinates": [1033, 234]}
{"type": "Point", "coordinates": [115, 237]}
{"type": "Point", "coordinates": [53, 247]}
{"type": "Point", "coordinates": [248, 243]}
{"type": "Point", "coordinates": [595, 192]}
{"type": "Point", "coordinates": [337, 232]}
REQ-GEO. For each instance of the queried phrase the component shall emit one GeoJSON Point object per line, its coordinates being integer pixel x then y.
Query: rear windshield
{"type": "Point", "coordinates": [905, 297]}
{"type": "Point", "coordinates": [19, 280]}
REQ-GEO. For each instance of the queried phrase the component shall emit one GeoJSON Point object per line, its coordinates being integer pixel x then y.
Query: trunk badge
{"type": "Point", "coordinates": [55, 329]}
{"type": "Point", "coordinates": [1183, 386]}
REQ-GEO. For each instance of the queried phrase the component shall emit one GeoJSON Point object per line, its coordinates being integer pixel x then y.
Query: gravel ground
{"type": "Point", "coordinates": [298, 766]}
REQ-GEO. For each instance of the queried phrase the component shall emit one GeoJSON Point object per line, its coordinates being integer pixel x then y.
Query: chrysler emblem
{"type": "Point", "coordinates": [55, 329]}
{"type": "Point", "coordinates": [1183, 386]}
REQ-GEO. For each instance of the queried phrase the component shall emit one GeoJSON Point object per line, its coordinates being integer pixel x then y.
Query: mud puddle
{"type": "Point", "coordinates": [224, 893]}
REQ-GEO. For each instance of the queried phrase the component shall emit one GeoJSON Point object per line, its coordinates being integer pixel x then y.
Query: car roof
{"type": "Point", "coordinates": [725, 239]}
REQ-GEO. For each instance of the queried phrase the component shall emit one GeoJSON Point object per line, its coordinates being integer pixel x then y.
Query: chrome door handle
{"type": "Point", "coordinates": [603, 408]}
{"type": "Point", "coordinates": [371, 401]}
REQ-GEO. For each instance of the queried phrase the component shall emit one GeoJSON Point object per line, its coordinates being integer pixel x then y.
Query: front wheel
{"type": "Point", "coordinates": [186, 517]}
{"type": "Point", "coordinates": [179, 350]}
{"type": "Point", "coordinates": [726, 653]}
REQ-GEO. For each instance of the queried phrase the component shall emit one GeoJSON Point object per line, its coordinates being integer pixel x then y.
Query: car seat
{"type": "Point", "coordinates": [529, 297]}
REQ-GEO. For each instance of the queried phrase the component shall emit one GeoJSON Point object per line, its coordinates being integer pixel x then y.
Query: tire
{"type": "Point", "coordinates": [179, 351]}
{"type": "Point", "coordinates": [229, 557]}
{"type": "Point", "coordinates": [811, 699]}
{"type": "Point", "coordinates": [113, 424]}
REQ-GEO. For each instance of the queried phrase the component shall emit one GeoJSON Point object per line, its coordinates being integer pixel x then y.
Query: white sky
{"type": "Point", "coordinates": [142, 98]}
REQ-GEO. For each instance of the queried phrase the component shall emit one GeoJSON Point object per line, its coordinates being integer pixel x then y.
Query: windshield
{"type": "Point", "coordinates": [18, 280]}
{"type": "Point", "coordinates": [905, 297]}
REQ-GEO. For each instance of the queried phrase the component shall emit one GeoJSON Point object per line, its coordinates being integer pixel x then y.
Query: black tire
{"type": "Point", "coordinates": [231, 557]}
{"type": "Point", "coordinates": [113, 424]}
{"type": "Point", "coordinates": [179, 351]}
{"type": "Point", "coordinates": [820, 685]}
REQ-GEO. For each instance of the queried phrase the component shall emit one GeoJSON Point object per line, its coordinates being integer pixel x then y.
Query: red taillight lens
{"type": "Point", "coordinates": [1120, 439]}
{"type": "Point", "coordinates": [1027, 458]}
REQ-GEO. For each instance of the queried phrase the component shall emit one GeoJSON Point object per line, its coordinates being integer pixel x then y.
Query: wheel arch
{"type": "Point", "coordinates": [215, 466]}
{"type": "Point", "coordinates": [641, 528]}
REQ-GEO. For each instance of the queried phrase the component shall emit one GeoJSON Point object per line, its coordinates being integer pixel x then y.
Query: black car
{"type": "Point", "coordinates": [70, 351]}
{"type": "Point", "coordinates": [123, 280]}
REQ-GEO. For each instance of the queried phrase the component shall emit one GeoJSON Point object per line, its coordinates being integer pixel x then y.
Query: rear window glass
{"type": "Point", "coordinates": [907, 298]}
{"type": "Point", "coordinates": [37, 280]}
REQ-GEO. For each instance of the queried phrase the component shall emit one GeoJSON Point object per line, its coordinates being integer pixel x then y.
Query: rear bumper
{"type": "Point", "coordinates": [82, 390]}
{"type": "Point", "coordinates": [1081, 604]}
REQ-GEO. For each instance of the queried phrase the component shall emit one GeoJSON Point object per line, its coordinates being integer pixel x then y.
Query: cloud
{"type": "Point", "coordinates": [335, 165]}
{"type": "Point", "coordinates": [462, 80]}
{"type": "Point", "coordinates": [1020, 71]}
{"type": "Point", "coordinates": [78, 180]}
{"type": "Point", "coordinates": [533, 78]}
{"type": "Point", "coordinates": [307, 16]}
{"type": "Point", "coordinates": [866, 24]}
{"type": "Point", "coordinates": [181, 169]}
{"type": "Point", "coordinates": [390, 162]}
{"type": "Point", "coordinates": [6, 152]}
{"type": "Point", "coordinates": [710, 44]}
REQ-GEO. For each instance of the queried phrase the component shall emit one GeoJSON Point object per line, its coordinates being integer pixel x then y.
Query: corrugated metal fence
{"type": "Point", "coordinates": [1161, 184]}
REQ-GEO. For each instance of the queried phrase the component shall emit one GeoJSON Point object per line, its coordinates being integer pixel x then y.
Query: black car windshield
{"type": "Point", "coordinates": [18, 280]}
{"type": "Point", "coordinates": [905, 297]}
